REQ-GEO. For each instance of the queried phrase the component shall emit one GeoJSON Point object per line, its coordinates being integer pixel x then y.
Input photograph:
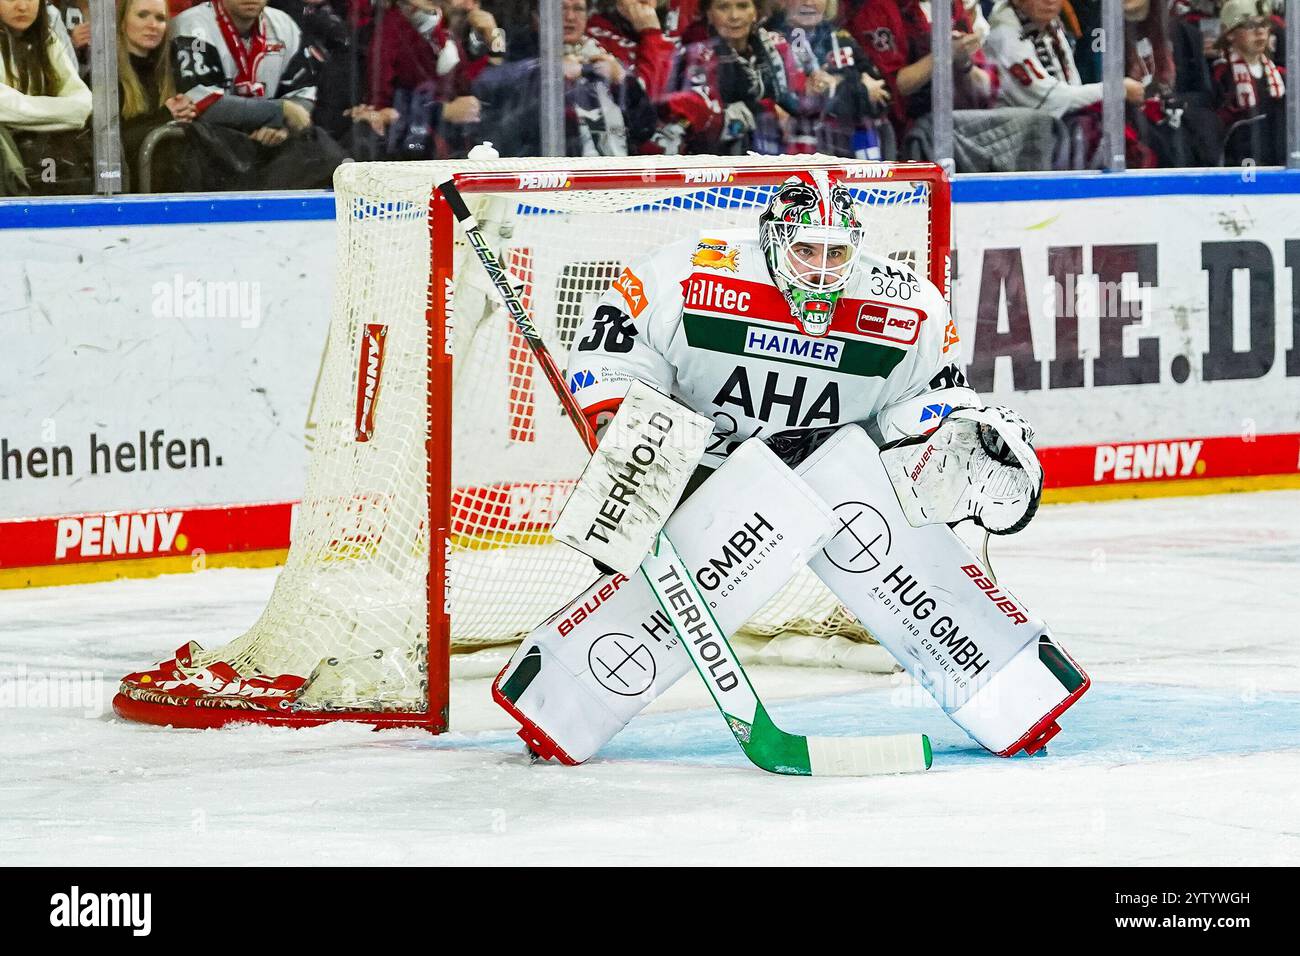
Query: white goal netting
{"type": "Point", "coordinates": [351, 605]}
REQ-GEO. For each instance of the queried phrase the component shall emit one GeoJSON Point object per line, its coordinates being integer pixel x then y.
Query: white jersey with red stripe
{"type": "Point", "coordinates": [702, 320]}
{"type": "Point", "coordinates": [206, 68]}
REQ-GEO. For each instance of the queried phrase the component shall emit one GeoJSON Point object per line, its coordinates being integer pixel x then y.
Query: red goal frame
{"type": "Point", "coordinates": [683, 176]}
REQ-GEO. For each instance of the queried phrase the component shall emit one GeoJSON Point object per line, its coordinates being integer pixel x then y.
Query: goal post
{"type": "Point", "coordinates": [440, 458]}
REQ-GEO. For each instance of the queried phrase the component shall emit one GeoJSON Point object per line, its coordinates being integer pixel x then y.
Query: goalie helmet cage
{"type": "Point", "coordinates": [423, 530]}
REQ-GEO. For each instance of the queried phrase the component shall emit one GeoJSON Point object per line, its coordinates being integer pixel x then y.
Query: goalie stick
{"type": "Point", "coordinates": [767, 746]}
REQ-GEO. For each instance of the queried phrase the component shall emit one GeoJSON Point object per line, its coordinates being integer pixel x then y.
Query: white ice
{"type": "Point", "coordinates": [1187, 749]}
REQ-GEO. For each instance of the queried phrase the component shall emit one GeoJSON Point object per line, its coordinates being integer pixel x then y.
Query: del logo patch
{"type": "Point", "coordinates": [893, 323]}
{"type": "Point", "coordinates": [714, 254]}
{"type": "Point", "coordinates": [633, 292]}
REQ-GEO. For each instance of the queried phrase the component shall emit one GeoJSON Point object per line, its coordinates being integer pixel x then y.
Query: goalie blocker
{"type": "Point", "coordinates": [577, 679]}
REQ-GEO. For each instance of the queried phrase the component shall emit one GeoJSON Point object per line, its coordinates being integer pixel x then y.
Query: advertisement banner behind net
{"type": "Point", "coordinates": [171, 368]}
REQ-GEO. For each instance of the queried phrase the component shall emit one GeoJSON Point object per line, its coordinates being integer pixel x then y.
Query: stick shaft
{"type": "Point", "coordinates": [518, 314]}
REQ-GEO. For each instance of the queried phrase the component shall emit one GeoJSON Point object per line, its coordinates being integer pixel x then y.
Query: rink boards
{"type": "Point", "coordinates": [1146, 324]}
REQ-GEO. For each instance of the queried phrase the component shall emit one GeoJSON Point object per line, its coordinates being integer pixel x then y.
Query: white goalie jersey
{"type": "Point", "coordinates": [702, 320]}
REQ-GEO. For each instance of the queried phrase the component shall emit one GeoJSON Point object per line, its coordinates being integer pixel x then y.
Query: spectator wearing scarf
{"type": "Point", "coordinates": [747, 74]}
{"type": "Point", "coordinates": [1035, 61]}
{"type": "Point", "coordinates": [252, 80]}
{"type": "Point", "coordinates": [419, 100]}
{"type": "Point", "coordinates": [844, 92]}
{"type": "Point", "coordinates": [1250, 86]}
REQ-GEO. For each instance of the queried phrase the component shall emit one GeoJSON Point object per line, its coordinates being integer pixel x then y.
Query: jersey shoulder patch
{"type": "Point", "coordinates": [723, 250]}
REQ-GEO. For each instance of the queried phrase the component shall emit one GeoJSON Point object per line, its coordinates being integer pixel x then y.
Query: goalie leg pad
{"type": "Point", "coordinates": [580, 676]}
{"type": "Point", "coordinates": [993, 667]}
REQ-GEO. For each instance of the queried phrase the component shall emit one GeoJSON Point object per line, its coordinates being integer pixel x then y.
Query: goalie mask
{"type": "Point", "coordinates": [810, 235]}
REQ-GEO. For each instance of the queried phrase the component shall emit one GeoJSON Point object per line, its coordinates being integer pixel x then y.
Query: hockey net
{"type": "Point", "coordinates": [465, 448]}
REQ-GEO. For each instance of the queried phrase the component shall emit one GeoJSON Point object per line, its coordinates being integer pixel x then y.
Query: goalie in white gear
{"type": "Point", "coordinates": [797, 329]}
{"type": "Point", "coordinates": [796, 336]}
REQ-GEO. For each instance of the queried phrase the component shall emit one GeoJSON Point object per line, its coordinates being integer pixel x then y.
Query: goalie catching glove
{"type": "Point", "coordinates": [978, 464]}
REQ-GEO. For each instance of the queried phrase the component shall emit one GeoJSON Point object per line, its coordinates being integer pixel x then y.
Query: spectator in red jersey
{"type": "Point", "coordinates": [747, 74]}
{"type": "Point", "coordinates": [843, 91]}
{"type": "Point", "coordinates": [606, 110]}
{"type": "Point", "coordinates": [877, 25]}
{"type": "Point", "coordinates": [418, 99]}
{"type": "Point", "coordinates": [897, 36]}
{"type": "Point", "coordinates": [1250, 87]}
{"type": "Point", "coordinates": [974, 78]}
{"type": "Point", "coordinates": [630, 30]}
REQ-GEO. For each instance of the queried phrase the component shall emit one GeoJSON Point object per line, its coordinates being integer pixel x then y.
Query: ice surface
{"type": "Point", "coordinates": [1184, 611]}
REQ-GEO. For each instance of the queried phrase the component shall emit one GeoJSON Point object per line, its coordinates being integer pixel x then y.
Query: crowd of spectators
{"type": "Point", "coordinates": [239, 94]}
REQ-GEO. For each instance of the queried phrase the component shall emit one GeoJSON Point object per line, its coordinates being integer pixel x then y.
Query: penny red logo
{"type": "Point", "coordinates": [894, 323]}
{"type": "Point", "coordinates": [369, 369]}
